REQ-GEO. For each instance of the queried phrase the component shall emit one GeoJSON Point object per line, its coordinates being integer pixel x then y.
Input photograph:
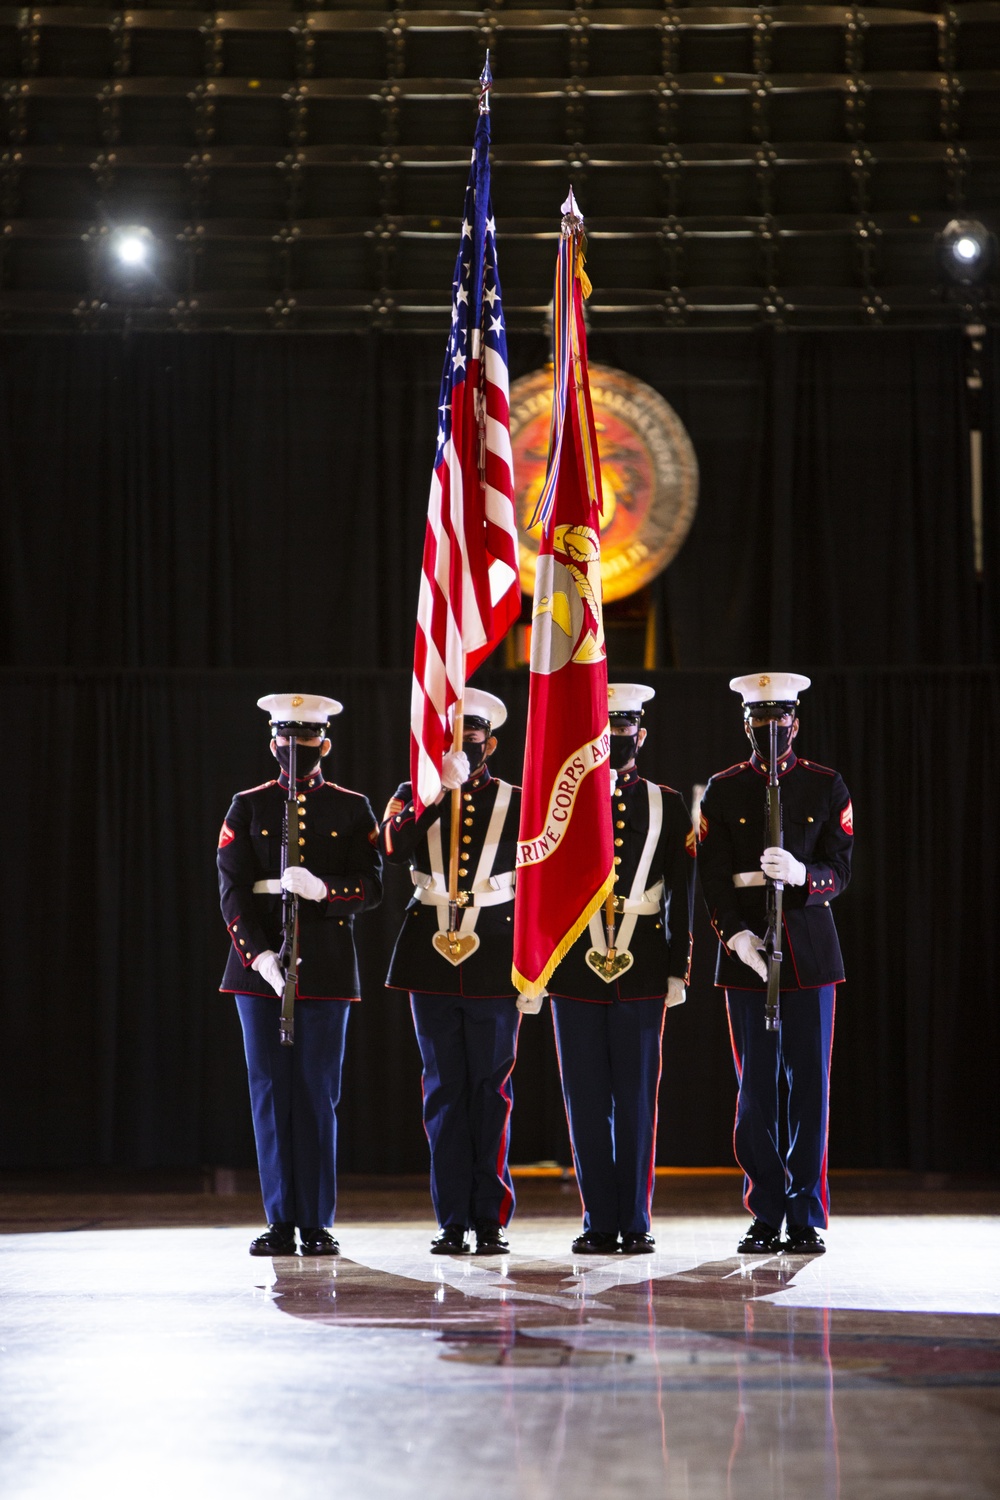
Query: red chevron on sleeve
{"type": "Point", "coordinates": [847, 819]}
{"type": "Point", "coordinates": [226, 835]}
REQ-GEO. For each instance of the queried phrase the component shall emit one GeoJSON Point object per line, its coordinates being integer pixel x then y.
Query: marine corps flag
{"type": "Point", "coordinates": [565, 859]}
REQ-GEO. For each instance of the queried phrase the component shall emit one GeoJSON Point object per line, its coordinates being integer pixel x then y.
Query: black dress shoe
{"type": "Point", "coordinates": [317, 1242]}
{"type": "Point", "coordinates": [451, 1239]}
{"type": "Point", "coordinates": [490, 1238]}
{"type": "Point", "coordinates": [760, 1239]}
{"type": "Point", "coordinates": [638, 1243]}
{"type": "Point", "coordinates": [803, 1240]}
{"type": "Point", "coordinates": [277, 1239]}
{"type": "Point", "coordinates": [592, 1242]}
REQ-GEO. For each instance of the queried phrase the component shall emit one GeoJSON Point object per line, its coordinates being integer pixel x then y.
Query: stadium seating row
{"type": "Point", "coordinates": [161, 184]}
{"type": "Point", "coordinates": [694, 108]}
{"type": "Point", "coordinates": [76, 41]}
{"type": "Point", "coordinates": [417, 253]}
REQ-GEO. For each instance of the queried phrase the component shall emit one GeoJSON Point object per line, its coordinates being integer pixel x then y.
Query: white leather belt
{"type": "Point", "coordinates": [494, 891]}
{"type": "Point", "coordinates": [648, 904]}
{"type": "Point", "coordinates": [640, 901]}
{"type": "Point", "coordinates": [749, 877]}
{"type": "Point", "coordinates": [267, 888]}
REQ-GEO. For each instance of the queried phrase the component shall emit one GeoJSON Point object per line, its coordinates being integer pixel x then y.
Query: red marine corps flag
{"type": "Point", "coordinates": [469, 589]}
{"type": "Point", "coordinates": [565, 860]}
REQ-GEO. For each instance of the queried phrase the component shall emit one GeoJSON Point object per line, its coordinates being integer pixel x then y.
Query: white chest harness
{"type": "Point", "coordinates": [486, 889]}
{"type": "Point", "coordinates": [639, 902]}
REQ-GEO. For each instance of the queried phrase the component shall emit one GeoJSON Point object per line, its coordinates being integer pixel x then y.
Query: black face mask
{"type": "Point", "coordinates": [624, 747]}
{"type": "Point", "coordinates": [761, 736]}
{"type": "Point", "coordinates": [475, 754]}
{"type": "Point", "coordinates": [306, 758]}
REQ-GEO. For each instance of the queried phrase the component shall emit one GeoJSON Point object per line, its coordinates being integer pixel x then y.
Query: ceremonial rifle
{"type": "Point", "coordinates": [775, 889]}
{"type": "Point", "coordinates": [289, 955]}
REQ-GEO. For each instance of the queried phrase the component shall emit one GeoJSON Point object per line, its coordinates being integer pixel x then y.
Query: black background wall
{"type": "Point", "coordinates": [192, 521]}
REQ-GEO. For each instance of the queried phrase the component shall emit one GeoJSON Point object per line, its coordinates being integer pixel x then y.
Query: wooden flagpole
{"type": "Point", "coordinates": [457, 739]}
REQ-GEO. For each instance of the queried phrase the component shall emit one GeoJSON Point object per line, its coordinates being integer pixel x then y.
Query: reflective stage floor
{"type": "Point", "coordinates": [164, 1361]}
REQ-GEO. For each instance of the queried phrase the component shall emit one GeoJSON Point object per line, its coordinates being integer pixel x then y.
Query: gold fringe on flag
{"type": "Point", "coordinates": [533, 987]}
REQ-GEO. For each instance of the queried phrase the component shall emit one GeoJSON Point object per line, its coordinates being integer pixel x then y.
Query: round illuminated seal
{"type": "Point", "coordinates": [648, 468]}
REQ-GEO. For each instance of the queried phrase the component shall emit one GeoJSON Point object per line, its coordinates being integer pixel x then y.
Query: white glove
{"type": "Point", "coordinates": [676, 991]}
{"type": "Point", "coordinates": [454, 770]}
{"type": "Point", "coordinates": [778, 864]}
{"type": "Point", "coordinates": [267, 966]}
{"type": "Point", "coordinates": [748, 946]}
{"type": "Point", "coordinates": [530, 1005]}
{"type": "Point", "coordinates": [614, 779]}
{"type": "Point", "coordinates": [303, 883]}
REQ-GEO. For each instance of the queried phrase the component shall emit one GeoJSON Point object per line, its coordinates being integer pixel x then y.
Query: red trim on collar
{"type": "Point", "coordinates": [788, 764]}
{"type": "Point", "coordinates": [307, 783]}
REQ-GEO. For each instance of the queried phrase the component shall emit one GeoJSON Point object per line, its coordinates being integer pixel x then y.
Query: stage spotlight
{"type": "Point", "coordinates": [965, 249]}
{"type": "Point", "coordinates": [132, 250]}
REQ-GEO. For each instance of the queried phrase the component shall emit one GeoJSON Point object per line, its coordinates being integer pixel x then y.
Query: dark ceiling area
{"type": "Point", "coordinates": [305, 168]}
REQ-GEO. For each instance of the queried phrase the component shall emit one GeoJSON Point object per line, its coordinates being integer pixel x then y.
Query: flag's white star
{"type": "Point", "coordinates": [440, 437]}
{"type": "Point", "coordinates": [495, 325]}
{"type": "Point", "coordinates": [491, 225]}
{"type": "Point", "coordinates": [466, 229]}
{"type": "Point", "coordinates": [458, 361]}
{"type": "Point", "coordinates": [491, 294]}
{"type": "Point", "coordinates": [461, 296]}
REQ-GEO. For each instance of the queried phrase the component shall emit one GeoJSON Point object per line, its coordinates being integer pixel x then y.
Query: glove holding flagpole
{"type": "Point", "coordinates": [565, 865]}
{"type": "Point", "coordinates": [469, 588]}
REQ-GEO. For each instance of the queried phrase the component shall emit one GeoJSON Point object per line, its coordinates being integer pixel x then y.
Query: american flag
{"type": "Point", "coordinates": [470, 592]}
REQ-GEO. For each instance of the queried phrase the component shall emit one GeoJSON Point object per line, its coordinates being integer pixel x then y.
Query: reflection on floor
{"type": "Point", "coordinates": [167, 1362]}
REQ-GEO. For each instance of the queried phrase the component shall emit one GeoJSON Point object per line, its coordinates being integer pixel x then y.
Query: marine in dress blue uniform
{"type": "Point", "coordinates": [784, 1183]}
{"type": "Point", "coordinates": [336, 873]}
{"type": "Point", "coordinates": [464, 1013]}
{"type": "Point", "coordinates": [609, 1030]}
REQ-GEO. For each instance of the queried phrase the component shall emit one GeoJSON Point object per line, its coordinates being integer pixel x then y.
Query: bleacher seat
{"type": "Point", "coordinates": [791, 161]}
{"type": "Point", "coordinates": [349, 44]}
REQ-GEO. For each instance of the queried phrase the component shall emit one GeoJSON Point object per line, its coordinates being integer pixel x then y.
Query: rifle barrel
{"type": "Point", "coordinates": [775, 889]}
{"type": "Point", "coordinates": [289, 904]}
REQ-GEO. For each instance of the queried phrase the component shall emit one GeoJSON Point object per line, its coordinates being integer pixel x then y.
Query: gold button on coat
{"type": "Point", "coordinates": [618, 843]}
{"type": "Point", "coordinates": [466, 838]}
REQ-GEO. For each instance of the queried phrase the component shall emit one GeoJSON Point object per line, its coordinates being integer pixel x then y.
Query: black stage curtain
{"type": "Point", "coordinates": [117, 1050]}
{"type": "Point", "coordinates": [240, 501]}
